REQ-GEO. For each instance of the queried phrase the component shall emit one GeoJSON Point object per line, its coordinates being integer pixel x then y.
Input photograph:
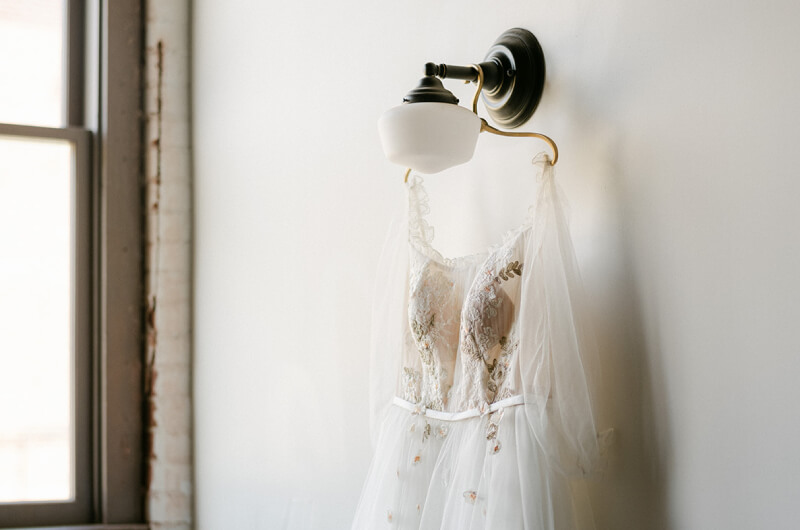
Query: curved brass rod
{"type": "Point", "coordinates": [488, 128]}
{"type": "Point", "coordinates": [408, 172]}
{"type": "Point", "coordinates": [480, 87]}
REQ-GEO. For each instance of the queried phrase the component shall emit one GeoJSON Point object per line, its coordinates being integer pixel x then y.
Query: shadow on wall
{"type": "Point", "coordinates": [634, 491]}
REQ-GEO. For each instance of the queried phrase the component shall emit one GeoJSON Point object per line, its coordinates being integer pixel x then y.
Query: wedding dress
{"type": "Point", "coordinates": [481, 391]}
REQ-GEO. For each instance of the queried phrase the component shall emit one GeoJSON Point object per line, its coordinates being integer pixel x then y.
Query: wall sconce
{"type": "Point", "coordinates": [430, 132]}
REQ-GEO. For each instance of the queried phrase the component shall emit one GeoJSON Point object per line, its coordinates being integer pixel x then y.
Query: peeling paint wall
{"type": "Point", "coordinates": [168, 266]}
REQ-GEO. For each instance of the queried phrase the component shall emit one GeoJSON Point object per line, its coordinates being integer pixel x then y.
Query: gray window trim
{"type": "Point", "coordinates": [75, 55]}
{"type": "Point", "coordinates": [120, 488]}
{"type": "Point", "coordinates": [108, 269]}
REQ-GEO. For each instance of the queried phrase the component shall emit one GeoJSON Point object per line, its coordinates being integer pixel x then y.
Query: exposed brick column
{"type": "Point", "coordinates": [168, 265]}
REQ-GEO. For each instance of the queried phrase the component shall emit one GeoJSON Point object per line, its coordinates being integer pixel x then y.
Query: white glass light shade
{"type": "Point", "coordinates": [429, 137]}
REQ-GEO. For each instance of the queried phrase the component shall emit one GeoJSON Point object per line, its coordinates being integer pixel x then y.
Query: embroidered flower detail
{"type": "Point", "coordinates": [426, 432]}
{"type": "Point", "coordinates": [499, 368]}
{"type": "Point", "coordinates": [507, 272]}
{"type": "Point", "coordinates": [492, 301]}
{"type": "Point", "coordinates": [389, 515]}
{"type": "Point", "coordinates": [471, 496]}
{"type": "Point", "coordinates": [417, 460]}
{"type": "Point", "coordinates": [441, 432]}
{"type": "Point", "coordinates": [496, 447]}
{"type": "Point", "coordinates": [419, 507]}
{"type": "Point", "coordinates": [411, 385]}
{"type": "Point", "coordinates": [487, 337]}
{"type": "Point", "coordinates": [491, 431]}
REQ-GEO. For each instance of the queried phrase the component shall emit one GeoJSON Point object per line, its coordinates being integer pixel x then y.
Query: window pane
{"type": "Point", "coordinates": [36, 424]}
{"type": "Point", "coordinates": [32, 62]}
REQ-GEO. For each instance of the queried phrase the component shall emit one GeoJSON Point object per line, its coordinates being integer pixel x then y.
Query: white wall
{"type": "Point", "coordinates": [677, 123]}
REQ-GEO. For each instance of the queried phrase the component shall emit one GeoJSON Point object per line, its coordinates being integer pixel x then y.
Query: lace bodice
{"type": "Point", "coordinates": [461, 345]}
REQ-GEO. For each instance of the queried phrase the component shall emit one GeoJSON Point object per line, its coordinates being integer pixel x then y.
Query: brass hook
{"type": "Point", "coordinates": [488, 128]}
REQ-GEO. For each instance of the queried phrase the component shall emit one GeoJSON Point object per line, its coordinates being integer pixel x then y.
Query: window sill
{"type": "Point", "coordinates": [88, 527]}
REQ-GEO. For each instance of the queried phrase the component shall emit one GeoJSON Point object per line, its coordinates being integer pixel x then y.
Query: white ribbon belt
{"type": "Point", "coordinates": [486, 408]}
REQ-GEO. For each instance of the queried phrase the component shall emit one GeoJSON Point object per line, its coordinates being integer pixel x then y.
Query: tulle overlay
{"type": "Point", "coordinates": [458, 481]}
{"type": "Point", "coordinates": [482, 379]}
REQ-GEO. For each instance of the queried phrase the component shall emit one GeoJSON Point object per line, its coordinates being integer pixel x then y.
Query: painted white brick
{"type": "Point", "coordinates": [168, 265]}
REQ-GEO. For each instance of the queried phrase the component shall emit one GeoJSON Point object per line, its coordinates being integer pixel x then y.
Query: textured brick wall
{"type": "Point", "coordinates": [168, 265]}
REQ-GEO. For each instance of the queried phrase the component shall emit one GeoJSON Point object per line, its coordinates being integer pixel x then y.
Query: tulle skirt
{"type": "Point", "coordinates": [455, 475]}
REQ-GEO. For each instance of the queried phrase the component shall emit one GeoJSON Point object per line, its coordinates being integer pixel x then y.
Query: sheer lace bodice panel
{"type": "Point", "coordinates": [461, 347]}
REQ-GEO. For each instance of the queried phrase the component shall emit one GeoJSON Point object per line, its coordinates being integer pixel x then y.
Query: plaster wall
{"type": "Point", "coordinates": [678, 126]}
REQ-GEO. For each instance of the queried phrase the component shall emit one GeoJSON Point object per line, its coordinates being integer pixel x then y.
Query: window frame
{"type": "Point", "coordinates": [81, 328]}
{"type": "Point", "coordinates": [104, 121]}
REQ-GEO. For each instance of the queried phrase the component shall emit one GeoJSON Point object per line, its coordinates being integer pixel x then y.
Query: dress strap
{"type": "Point", "coordinates": [419, 230]}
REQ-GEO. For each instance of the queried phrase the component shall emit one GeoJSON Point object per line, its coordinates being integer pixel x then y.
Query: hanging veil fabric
{"type": "Point", "coordinates": [482, 366]}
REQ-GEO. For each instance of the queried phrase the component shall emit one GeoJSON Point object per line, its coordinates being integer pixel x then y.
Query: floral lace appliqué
{"type": "Point", "coordinates": [499, 368]}
{"type": "Point", "coordinates": [430, 300]}
{"type": "Point", "coordinates": [411, 385]}
{"type": "Point", "coordinates": [486, 310]}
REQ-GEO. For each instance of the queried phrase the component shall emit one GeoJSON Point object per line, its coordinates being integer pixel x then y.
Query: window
{"type": "Point", "coordinates": [71, 401]}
